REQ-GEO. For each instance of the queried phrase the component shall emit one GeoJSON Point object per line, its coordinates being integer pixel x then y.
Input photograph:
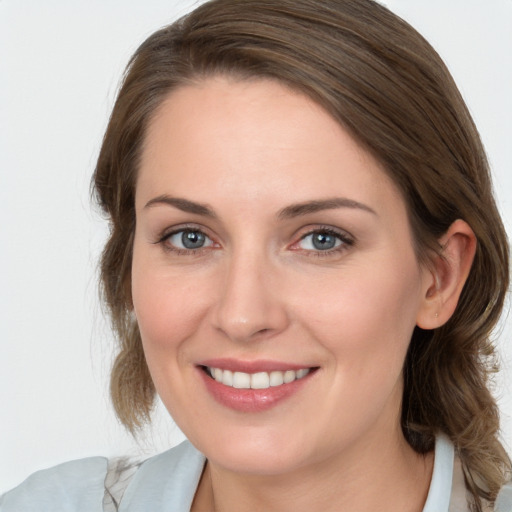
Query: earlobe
{"type": "Point", "coordinates": [447, 276]}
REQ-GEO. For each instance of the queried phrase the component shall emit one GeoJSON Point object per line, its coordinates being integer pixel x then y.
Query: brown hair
{"type": "Point", "coordinates": [384, 83]}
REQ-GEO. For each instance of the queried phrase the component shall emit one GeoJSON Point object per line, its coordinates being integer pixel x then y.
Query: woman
{"type": "Point", "coordinates": [300, 207]}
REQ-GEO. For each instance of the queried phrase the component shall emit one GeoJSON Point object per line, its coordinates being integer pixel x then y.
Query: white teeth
{"type": "Point", "coordinates": [260, 380]}
{"type": "Point", "coordinates": [289, 376]}
{"type": "Point", "coordinates": [227, 378]}
{"type": "Point", "coordinates": [276, 378]}
{"type": "Point", "coordinates": [241, 380]}
{"type": "Point", "coordinates": [302, 373]}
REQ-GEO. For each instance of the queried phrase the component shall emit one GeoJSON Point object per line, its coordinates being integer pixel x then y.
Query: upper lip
{"type": "Point", "coordinates": [254, 366]}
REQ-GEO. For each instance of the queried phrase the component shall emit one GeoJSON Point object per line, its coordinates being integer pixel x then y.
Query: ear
{"type": "Point", "coordinates": [446, 276]}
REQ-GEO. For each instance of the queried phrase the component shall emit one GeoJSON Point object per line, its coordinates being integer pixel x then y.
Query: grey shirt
{"type": "Point", "coordinates": [168, 482]}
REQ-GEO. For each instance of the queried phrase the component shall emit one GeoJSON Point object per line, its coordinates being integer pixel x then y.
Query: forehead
{"type": "Point", "coordinates": [246, 141]}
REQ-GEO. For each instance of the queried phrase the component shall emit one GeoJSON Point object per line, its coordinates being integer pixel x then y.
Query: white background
{"type": "Point", "coordinates": [60, 64]}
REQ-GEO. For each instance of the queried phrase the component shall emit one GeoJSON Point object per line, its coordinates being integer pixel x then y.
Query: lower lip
{"type": "Point", "coordinates": [252, 400]}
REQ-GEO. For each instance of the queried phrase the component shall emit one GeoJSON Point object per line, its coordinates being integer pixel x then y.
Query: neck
{"type": "Point", "coordinates": [384, 474]}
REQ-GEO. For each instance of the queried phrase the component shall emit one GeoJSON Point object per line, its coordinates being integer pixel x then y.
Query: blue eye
{"type": "Point", "coordinates": [321, 241]}
{"type": "Point", "coordinates": [189, 239]}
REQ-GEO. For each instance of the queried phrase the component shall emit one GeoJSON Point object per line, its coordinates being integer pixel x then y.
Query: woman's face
{"type": "Point", "coordinates": [273, 252]}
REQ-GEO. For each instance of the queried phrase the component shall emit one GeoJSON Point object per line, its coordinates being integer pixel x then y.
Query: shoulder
{"type": "Point", "coordinates": [448, 489]}
{"type": "Point", "coordinates": [75, 486]}
{"type": "Point", "coordinates": [167, 481]}
{"type": "Point", "coordinates": [504, 500]}
{"type": "Point", "coordinates": [461, 497]}
{"type": "Point", "coordinates": [97, 484]}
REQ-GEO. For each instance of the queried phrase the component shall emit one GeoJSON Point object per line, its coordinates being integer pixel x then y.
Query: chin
{"type": "Point", "coordinates": [255, 453]}
{"type": "Point", "coordinates": [261, 462]}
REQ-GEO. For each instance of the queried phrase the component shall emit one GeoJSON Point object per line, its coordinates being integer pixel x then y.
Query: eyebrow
{"type": "Point", "coordinates": [182, 204]}
{"type": "Point", "coordinates": [308, 207]}
{"type": "Point", "coordinates": [289, 212]}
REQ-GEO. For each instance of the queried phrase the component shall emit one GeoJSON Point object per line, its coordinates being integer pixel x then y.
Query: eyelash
{"type": "Point", "coordinates": [345, 239]}
{"type": "Point", "coordinates": [163, 240]}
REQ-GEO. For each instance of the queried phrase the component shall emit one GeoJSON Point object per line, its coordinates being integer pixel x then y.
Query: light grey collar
{"type": "Point", "coordinates": [439, 494]}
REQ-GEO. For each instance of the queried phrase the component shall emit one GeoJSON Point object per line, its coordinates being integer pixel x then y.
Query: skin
{"type": "Point", "coordinates": [259, 289]}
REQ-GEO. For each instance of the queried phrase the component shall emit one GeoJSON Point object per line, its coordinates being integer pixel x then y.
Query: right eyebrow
{"type": "Point", "coordinates": [299, 209]}
{"type": "Point", "coordinates": [182, 204]}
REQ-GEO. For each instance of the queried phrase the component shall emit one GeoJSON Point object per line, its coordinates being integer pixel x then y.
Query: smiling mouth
{"type": "Point", "coordinates": [258, 380]}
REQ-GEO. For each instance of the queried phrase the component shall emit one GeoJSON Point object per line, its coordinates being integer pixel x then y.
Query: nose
{"type": "Point", "coordinates": [251, 305]}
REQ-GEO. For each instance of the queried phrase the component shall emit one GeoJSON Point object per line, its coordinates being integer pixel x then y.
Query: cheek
{"type": "Point", "coordinates": [366, 316]}
{"type": "Point", "coordinates": [168, 304]}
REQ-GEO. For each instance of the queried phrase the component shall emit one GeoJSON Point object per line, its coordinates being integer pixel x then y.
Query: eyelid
{"type": "Point", "coordinates": [163, 237]}
{"type": "Point", "coordinates": [172, 230]}
{"type": "Point", "coordinates": [346, 238]}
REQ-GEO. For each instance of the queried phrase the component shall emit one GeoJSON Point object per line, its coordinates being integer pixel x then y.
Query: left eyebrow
{"type": "Point", "coordinates": [182, 204]}
{"type": "Point", "coordinates": [299, 209]}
